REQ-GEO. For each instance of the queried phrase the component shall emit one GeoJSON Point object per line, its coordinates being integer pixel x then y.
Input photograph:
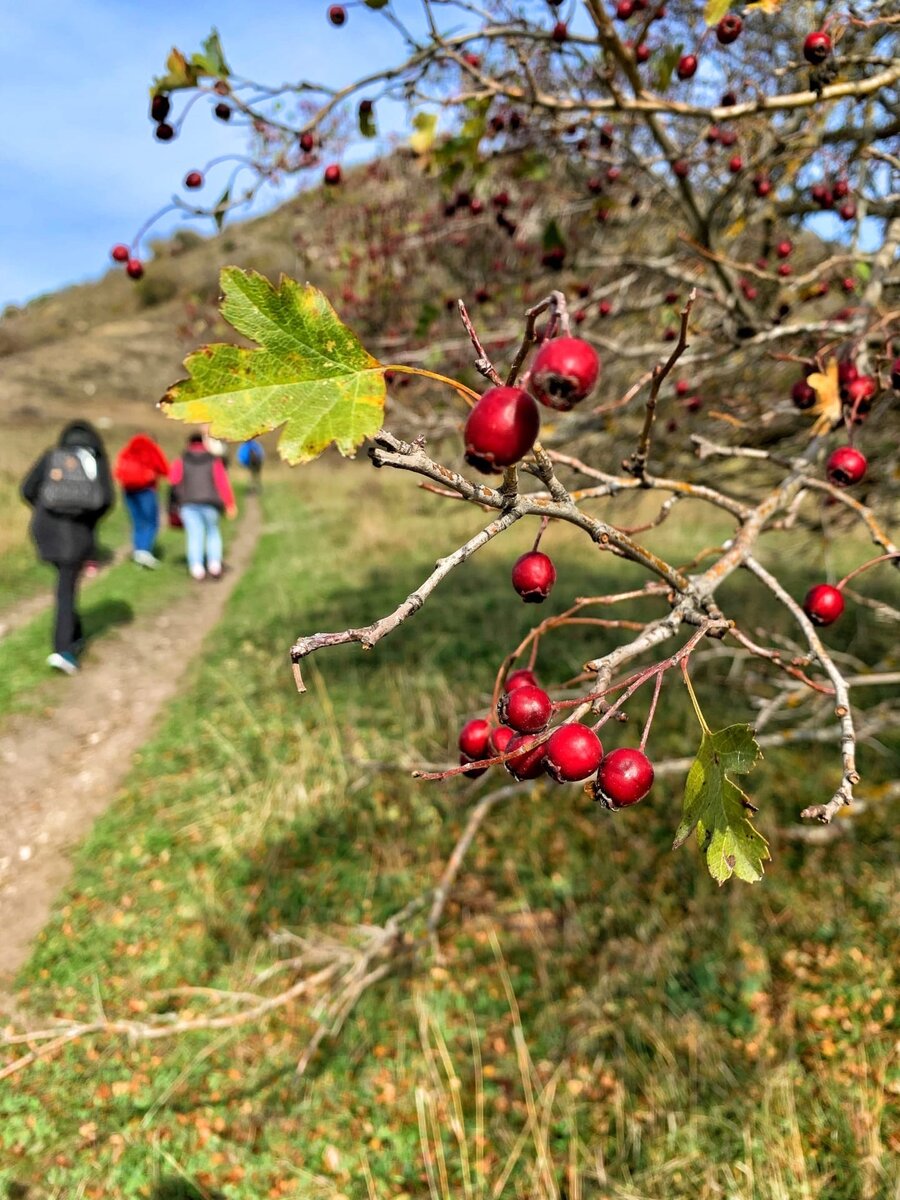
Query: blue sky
{"type": "Point", "coordinates": [79, 167]}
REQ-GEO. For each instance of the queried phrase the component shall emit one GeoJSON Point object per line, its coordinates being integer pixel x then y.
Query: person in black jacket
{"type": "Point", "coordinates": [66, 538]}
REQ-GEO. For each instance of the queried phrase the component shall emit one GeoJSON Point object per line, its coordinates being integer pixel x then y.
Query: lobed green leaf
{"type": "Point", "coordinates": [310, 375]}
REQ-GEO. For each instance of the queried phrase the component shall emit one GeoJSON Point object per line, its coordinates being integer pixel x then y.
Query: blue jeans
{"type": "Point", "coordinates": [143, 508]}
{"type": "Point", "coordinates": [201, 526]}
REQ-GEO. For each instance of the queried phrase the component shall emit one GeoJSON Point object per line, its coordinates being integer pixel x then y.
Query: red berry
{"type": "Point", "coordinates": [846, 466]}
{"type": "Point", "coordinates": [307, 143]}
{"type": "Point", "coordinates": [193, 179]}
{"type": "Point", "coordinates": [728, 137]}
{"type": "Point", "coordinates": [735, 164]}
{"type": "Point", "coordinates": [613, 174]}
{"type": "Point", "coordinates": [159, 107]}
{"type": "Point", "coordinates": [164, 132]}
{"type": "Point", "coordinates": [671, 297]}
{"type": "Point", "coordinates": [134, 268]}
{"type": "Point", "coordinates": [840, 189]}
{"type": "Point", "coordinates": [472, 60]}
{"type": "Point", "coordinates": [604, 308]}
{"type": "Point", "coordinates": [861, 389]}
{"type": "Point", "coordinates": [476, 772]}
{"type": "Point", "coordinates": [223, 111]}
{"type": "Point", "coordinates": [729, 99]}
{"type": "Point", "coordinates": [560, 32]}
{"type": "Point", "coordinates": [687, 66]}
{"type": "Point", "coordinates": [823, 604]}
{"type": "Point", "coordinates": [501, 737]}
{"type": "Point", "coordinates": [681, 168]}
{"type": "Point", "coordinates": [625, 777]}
{"type": "Point", "coordinates": [817, 47]}
{"type": "Point", "coordinates": [528, 764]}
{"type": "Point", "coordinates": [785, 269]}
{"type": "Point", "coordinates": [624, 9]}
{"type": "Point", "coordinates": [803, 395]}
{"type": "Point", "coordinates": [527, 709]}
{"type": "Point", "coordinates": [762, 185]}
{"type": "Point", "coordinates": [337, 14]}
{"type": "Point", "coordinates": [729, 29]}
{"type": "Point", "coordinates": [895, 374]}
{"type": "Point", "coordinates": [785, 248]}
{"type": "Point", "coordinates": [573, 753]}
{"type": "Point", "coordinates": [520, 678]}
{"type": "Point", "coordinates": [332, 174]}
{"type": "Point", "coordinates": [120, 253]}
{"type": "Point", "coordinates": [642, 52]}
{"type": "Point", "coordinates": [848, 284]}
{"type": "Point", "coordinates": [564, 372]}
{"type": "Point", "coordinates": [501, 428]}
{"type": "Point", "coordinates": [682, 387]}
{"type": "Point", "coordinates": [473, 738]}
{"type": "Point", "coordinates": [713, 134]}
{"type": "Point", "coordinates": [533, 575]}
{"type": "Point", "coordinates": [847, 212]}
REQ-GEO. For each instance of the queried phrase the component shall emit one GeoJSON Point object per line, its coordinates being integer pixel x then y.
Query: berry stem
{"type": "Point", "coordinates": [545, 521]}
{"type": "Point", "coordinates": [865, 566]}
{"type": "Point", "coordinates": [482, 363]}
{"type": "Point", "coordinates": [652, 713]}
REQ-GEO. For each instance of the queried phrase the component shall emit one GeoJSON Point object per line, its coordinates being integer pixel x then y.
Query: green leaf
{"type": "Point", "coordinates": [179, 74]}
{"type": "Point", "coordinates": [376, 4]}
{"type": "Point", "coordinates": [366, 117]}
{"type": "Point", "coordinates": [719, 810]}
{"type": "Point", "coordinates": [425, 126]}
{"type": "Point", "coordinates": [715, 10]}
{"type": "Point", "coordinates": [310, 375]}
{"type": "Point", "coordinates": [221, 209]}
{"type": "Point", "coordinates": [665, 66]}
{"type": "Point", "coordinates": [552, 238]}
{"type": "Point", "coordinates": [211, 59]}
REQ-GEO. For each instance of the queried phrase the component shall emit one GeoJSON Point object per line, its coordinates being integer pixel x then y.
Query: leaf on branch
{"type": "Point", "coordinates": [715, 10]}
{"type": "Point", "coordinates": [425, 126]}
{"type": "Point", "coordinates": [211, 58]}
{"type": "Point", "coordinates": [827, 409]}
{"type": "Point", "coordinates": [179, 74]}
{"type": "Point", "coordinates": [719, 810]}
{"type": "Point", "coordinates": [310, 374]}
{"type": "Point", "coordinates": [665, 66]}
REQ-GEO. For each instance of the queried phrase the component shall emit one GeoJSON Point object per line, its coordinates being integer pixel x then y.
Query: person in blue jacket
{"type": "Point", "coordinates": [251, 455]}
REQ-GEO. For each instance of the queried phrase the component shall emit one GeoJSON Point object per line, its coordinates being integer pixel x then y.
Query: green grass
{"type": "Point", "coordinates": [685, 1041]}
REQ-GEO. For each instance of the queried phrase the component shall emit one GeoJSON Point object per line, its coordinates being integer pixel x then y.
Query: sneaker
{"type": "Point", "coordinates": [144, 558]}
{"type": "Point", "coordinates": [215, 570]}
{"type": "Point", "coordinates": [198, 573]}
{"type": "Point", "coordinates": [63, 662]}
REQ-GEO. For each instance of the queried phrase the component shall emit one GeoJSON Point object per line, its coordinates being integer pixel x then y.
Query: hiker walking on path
{"type": "Point", "coordinates": [252, 456]}
{"type": "Point", "coordinates": [140, 464]}
{"type": "Point", "coordinates": [203, 491]}
{"type": "Point", "coordinates": [69, 489]}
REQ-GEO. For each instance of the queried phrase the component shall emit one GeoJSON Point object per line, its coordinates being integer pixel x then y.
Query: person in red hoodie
{"type": "Point", "coordinates": [203, 491]}
{"type": "Point", "coordinates": [138, 467]}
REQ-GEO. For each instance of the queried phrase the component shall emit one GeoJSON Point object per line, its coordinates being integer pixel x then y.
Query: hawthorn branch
{"type": "Point", "coordinates": [844, 794]}
{"type": "Point", "coordinates": [370, 635]}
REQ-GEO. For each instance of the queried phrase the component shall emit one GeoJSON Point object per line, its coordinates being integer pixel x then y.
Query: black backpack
{"type": "Point", "coordinates": [72, 486]}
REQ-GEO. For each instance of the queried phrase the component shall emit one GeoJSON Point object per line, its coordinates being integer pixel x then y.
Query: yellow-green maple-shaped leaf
{"type": "Point", "coordinates": [310, 375]}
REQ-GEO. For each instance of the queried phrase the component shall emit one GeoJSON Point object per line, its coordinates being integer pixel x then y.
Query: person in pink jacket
{"type": "Point", "coordinates": [203, 492]}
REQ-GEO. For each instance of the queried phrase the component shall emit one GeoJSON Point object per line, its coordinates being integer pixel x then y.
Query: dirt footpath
{"type": "Point", "coordinates": [58, 773]}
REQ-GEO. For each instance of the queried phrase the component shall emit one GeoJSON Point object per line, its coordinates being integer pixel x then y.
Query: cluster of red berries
{"type": "Point", "coordinates": [570, 754]}
{"type": "Point", "coordinates": [134, 268]}
{"type": "Point", "coordinates": [504, 424]}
